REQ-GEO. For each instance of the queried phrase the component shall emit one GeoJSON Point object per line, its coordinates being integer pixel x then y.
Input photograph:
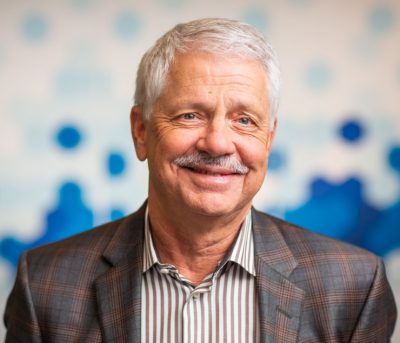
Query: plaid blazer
{"type": "Point", "coordinates": [310, 288]}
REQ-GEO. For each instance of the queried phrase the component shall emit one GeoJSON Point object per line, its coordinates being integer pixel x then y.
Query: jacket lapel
{"type": "Point", "coordinates": [280, 300]}
{"type": "Point", "coordinates": [118, 291]}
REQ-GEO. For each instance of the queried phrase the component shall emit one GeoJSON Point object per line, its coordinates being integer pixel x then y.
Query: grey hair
{"type": "Point", "coordinates": [217, 36]}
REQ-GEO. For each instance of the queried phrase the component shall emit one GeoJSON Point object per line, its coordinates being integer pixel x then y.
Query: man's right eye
{"type": "Point", "coordinates": [189, 116]}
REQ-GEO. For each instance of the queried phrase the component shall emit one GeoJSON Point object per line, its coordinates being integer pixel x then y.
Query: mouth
{"type": "Point", "coordinates": [211, 171]}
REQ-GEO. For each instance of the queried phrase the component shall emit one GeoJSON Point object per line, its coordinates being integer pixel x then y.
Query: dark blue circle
{"type": "Point", "coordinates": [275, 161]}
{"type": "Point", "coordinates": [115, 163]}
{"type": "Point", "coordinates": [351, 131]}
{"type": "Point", "coordinates": [35, 27]}
{"type": "Point", "coordinates": [394, 158]}
{"type": "Point", "coordinates": [68, 137]}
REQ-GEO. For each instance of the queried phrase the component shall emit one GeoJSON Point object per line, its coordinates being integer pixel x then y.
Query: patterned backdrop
{"type": "Point", "coordinates": [66, 78]}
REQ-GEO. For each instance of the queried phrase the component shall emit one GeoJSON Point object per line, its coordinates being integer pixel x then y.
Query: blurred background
{"type": "Point", "coordinates": [67, 72]}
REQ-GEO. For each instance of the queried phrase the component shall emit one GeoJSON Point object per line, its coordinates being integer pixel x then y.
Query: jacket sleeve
{"type": "Point", "coordinates": [378, 316]}
{"type": "Point", "coordinates": [20, 317]}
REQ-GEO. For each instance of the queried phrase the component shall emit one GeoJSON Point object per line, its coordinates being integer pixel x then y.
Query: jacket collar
{"type": "Point", "coordinates": [118, 291]}
{"type": "Point", "coordinates": [280, 300]}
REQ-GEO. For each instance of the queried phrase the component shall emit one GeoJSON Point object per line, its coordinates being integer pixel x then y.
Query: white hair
{"type": "Point", "coordinates": [217, 36]}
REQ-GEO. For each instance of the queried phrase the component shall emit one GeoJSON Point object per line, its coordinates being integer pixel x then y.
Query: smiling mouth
{"type": "Point", "coordinates": [211, 172]}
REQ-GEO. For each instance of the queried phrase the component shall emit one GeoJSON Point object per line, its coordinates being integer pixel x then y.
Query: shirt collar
{"type": "Point", "coordinates": [241, 253]}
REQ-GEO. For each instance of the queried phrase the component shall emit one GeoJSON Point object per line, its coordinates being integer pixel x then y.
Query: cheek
{"type": "Point", "coordinates": [254, 152]}
{"type": "Point", "coordinates": [169, 142]}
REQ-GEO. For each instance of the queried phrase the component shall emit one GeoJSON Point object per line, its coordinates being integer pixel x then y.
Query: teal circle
{"type": "Point", "coordinates": [256, 17]}
{"type": "Point", "coordinates": [318, 76]}
{"type": "Point", "coordinates": [127, 25]}
{"type": "Point", "coordinates": [381, 19]}
{"type": "Point", "coordinates": [35, 27]}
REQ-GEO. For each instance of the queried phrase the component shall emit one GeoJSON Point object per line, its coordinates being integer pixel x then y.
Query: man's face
{"type": "Point", "coordinates": [213, 107]}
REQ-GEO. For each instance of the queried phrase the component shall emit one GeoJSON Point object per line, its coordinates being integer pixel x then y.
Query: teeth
{"type": "Point", "coordinates": [205, 172]}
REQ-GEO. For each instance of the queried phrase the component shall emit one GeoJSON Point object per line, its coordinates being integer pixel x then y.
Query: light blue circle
{"type": "Point", "coordinates": [35, 27]}
{"type": "Point", "coordinates": [318, 76]}
{"type": "Point", "coordinates": [127, 24]}
{"type": "Point", "coordinates": [276, 160]}
{"type": "Point", "coordinates": [78, 81]}
{"type": "Point", "coordinates": [381, 19]}
{"type": "Point", "coordinates": [256, 17]}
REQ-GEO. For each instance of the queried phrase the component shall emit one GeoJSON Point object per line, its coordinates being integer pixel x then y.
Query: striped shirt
{"type": "Point", "coordinates": [222, 308]}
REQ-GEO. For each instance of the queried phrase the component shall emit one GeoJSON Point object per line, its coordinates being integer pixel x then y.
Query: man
{"type": "Point", "coordinates": [197, 263]}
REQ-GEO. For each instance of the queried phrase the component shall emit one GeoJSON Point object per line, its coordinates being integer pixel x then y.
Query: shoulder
{"type": "Point", "coordinates": [86, 251]}
{"type": "Point", "coordinates": [318, 256]}
{"type": "Point", "coordinates": [300, 240]}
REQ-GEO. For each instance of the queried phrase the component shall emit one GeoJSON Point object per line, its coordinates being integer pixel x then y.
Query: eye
{"type": "Point", "coordinates": [245, 121]}
{"type": "Point", "coordinates": [189, 116]}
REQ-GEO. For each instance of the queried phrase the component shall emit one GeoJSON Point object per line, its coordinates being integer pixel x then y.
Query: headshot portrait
{"type": "Point", "coordinates": [228, 187]}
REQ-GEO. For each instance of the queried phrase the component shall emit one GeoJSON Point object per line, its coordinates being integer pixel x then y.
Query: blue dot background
{"type": "Point", "coordinates": [394, 158]}
{"type": "Point", "coordinates": [276, 161]}
{"type": "Point", "coordinates": [35, 27]}
{"type": "Point", "coordinates": [115, 164]}
{"type": "Point", "coordinates": [256, 16]}
{"type": "Point", "coordinates": [318, 76]}
{"type": "Point", "coordinates": [381, 19]}
{"type": "Point", "coordinates": [68, 137]}
{"type": "Point", "coordinates": [352, 131]}
{"type": "Point", "coordinates": [127, 24]}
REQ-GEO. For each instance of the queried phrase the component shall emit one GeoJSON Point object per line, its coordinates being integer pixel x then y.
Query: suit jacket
{"type": "Point", "coordinates": [310, 288]}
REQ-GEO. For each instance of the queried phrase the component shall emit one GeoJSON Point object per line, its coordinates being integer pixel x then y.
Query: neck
{"type": "Point", "coordinates": [195, 244]}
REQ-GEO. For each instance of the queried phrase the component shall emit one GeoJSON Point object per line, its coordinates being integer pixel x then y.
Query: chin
{"type": "Point", "coordinates": [213, 207]}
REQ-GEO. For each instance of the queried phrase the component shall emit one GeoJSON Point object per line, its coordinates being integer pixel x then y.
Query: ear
{"type": "Point", "coordinates": [271, 135]}
{"type": "Point", "coordinates": [138, 130]}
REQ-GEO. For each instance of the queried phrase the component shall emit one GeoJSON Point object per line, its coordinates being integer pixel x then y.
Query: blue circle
{"type": "Point", "coordinates": [381, 19]}
{"type": "Point", "coordinates": [116, 213]}
{"type": "Point", "coordinates": [127, 25]}
{"type": "Point", "coordinates": [257, 18]}
{"type": "Point", "coordinates": [68, 137]}
{"type": "Point", "coordinates": [318, 76]}
{"type": "Point", "coordinates": [75, 81]}
{"type": "Point", "coordinates": [276, 160]}
{"type": "Point", "coordinates": [35, 27]}
{"type": "Point", "coordinates": [115, 164]}
{"type": "Point", "coordinates": [351, 131]}
{"type": "Point", "coordinates": [394, 158]}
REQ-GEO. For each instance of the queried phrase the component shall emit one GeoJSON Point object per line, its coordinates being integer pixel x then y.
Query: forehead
{"type": "Point", "coordinates": [192, 73]}
{"type": "Point", "coordinates": [203, 65]}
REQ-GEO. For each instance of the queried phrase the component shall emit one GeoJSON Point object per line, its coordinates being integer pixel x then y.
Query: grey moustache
{"type": "Point", "coordinates": [199, 159]}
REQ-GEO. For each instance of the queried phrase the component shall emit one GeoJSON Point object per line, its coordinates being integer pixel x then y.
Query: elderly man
{"type": "Point", "coordinates": [197, 263]}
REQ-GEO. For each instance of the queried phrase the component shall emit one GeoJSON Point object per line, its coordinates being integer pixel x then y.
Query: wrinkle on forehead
{"type": "Point", "coordinates": [211, 71]}
{"type": "Point", "coordinates": [200, 77]}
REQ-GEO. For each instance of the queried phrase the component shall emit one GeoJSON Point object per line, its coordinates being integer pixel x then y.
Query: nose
{"type": "Point", "coordinates": [217, 139]}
